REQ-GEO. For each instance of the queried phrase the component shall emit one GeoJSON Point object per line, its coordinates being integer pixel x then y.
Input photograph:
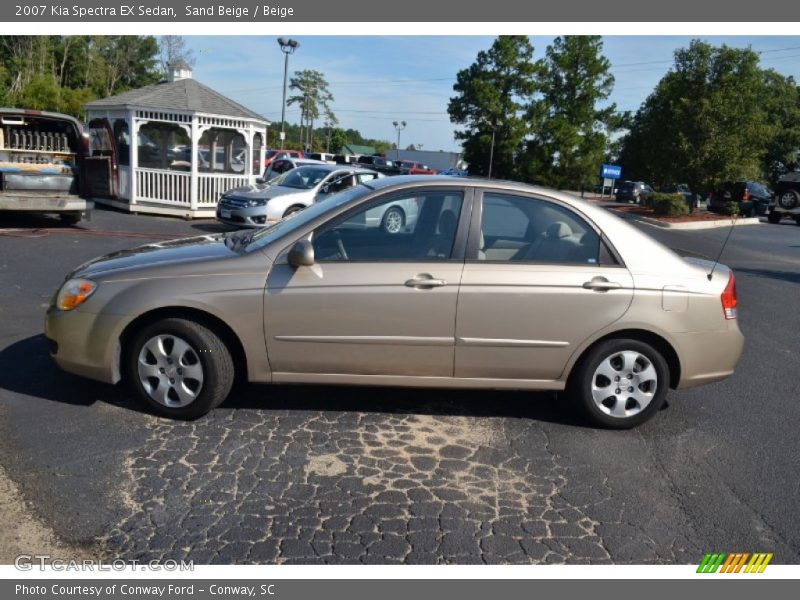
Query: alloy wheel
{"type": "Point", "coordinates": [170, 370]}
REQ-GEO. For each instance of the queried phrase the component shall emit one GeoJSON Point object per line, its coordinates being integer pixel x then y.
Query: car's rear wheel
{"type": "Point", "coordinates": [620, 383]}
{"type": "Point", "coordinates": [180, 368]}
{"type": "Point", "coordinates": [774, 217]}
{"type": "Point", "coordinates": [70, 218]}
{"type": "Point", "coordinates": [789, 199]}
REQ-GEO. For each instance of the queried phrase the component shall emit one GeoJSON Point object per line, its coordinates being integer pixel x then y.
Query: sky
{"type": "Point", "coordinates": [378, 80]}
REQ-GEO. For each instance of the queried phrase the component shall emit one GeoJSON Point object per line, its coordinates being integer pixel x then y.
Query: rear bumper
{"type": "Point", "coordinates": [43, 202]}
{"type": "Point", "coordinates": [708, 356]}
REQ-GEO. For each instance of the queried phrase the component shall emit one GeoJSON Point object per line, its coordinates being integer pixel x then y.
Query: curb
{"type": "Point", "coordinates": [690, 224]}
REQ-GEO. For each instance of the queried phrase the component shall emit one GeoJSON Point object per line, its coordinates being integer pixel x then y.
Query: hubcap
{"type": "Point", "coordinates": [624, 384]}
{"type": "Point", "coordinates": [170, 371]}
{"type": "Point", "coordinates": [394, 221]}
{"type": "Point", "coordinates": [787, 200]}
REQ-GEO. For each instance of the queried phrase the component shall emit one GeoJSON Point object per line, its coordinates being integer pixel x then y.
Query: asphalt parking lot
{"type": "Point", "coordinates": [353, 475]}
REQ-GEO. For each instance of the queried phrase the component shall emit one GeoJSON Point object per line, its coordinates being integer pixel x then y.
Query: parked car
{"type": "Point", "coordinates": [47, 165]}
{"type": "Point", "coordinates": [786, 201]}
{"type": "Point", "coordinates": [410, 167]}
{"type": "Point", "coordinates": [323, 156]}
{"type": "Point", "coordinates": [752, 197]}
{"type": "Point", "coordinates": [345, 159]}
{"type": "Point", "coordinates": [263, 204]}
{"type": "Point", "coordinates": [496, 286]}
{"type": "Point", "coordinates": [379, 163]}
{"type": "Point", "coordinates": [682, 189]}
{"type": "Point", "coordinates": [632, 191]}
{"type": "Point", "coordinates": [280, 166]}
{"type": "Point", "coordinates": [273, 155]}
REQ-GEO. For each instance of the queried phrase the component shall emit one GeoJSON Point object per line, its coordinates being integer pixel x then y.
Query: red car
{"type": "Point", "coordinates": [277, 154]}
{"type": "Point", "coordinates": [410, 167]}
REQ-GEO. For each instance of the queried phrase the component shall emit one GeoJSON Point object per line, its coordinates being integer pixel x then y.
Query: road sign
{"type": "Point", "coordinates": [283, 135]}
{"type": "Point", "coordinates": [610, 171]}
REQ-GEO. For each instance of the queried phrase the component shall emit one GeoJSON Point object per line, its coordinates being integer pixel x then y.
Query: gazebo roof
{"type": "Point", "coordinates": [182, 94]}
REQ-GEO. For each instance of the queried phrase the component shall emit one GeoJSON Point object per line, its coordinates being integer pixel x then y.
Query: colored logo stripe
{"type": "Point", "coordinates": [734, 562]}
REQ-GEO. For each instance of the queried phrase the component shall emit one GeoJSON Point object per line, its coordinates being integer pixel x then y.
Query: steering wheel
{"type": "Point", "coordinates": [340, 244]}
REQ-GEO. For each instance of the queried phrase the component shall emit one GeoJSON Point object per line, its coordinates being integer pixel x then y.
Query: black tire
{"type": "Point", "coordinates": [69, 218]}
{"type": "Point", "coordinates": [774, 217]}
{"type": "Point", "coordinates": [789, 199]}
{"type": "Point", "coordinates": [209, 350]}
{"type": "Point", "coordinates": [385, 220]}
{"type": "Point", "coordinates": [580, 383]}
{"type": "Point", "coordinates": [292, 209]}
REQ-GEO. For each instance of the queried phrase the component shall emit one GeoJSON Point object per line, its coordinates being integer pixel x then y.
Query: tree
{"type": "Point", "coordinates": [313, 97]}
{"type": "Point", "coordinates": [715, 116]}
{"type": "Point", "coordinates": [62, 73]}
{"type": "Point", "coordinates": [569, 128]}
{"type": "Point", "coordinates": [172, 48]}
{"type": "Point", "coordinates": [492, 94]}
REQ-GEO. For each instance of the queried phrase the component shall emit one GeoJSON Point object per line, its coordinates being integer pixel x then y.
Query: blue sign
{"type": "Point", "coordinates": [610, 171]}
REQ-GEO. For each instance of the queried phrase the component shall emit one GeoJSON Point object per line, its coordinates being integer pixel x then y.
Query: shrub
{"type": "Point", "coordinates": [669, 205]}
{"type": "Point", "coordinates": [731, 208]}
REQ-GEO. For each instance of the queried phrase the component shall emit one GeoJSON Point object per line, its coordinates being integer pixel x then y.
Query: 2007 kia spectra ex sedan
{"type": "Point", "coordinates": [494, 285]}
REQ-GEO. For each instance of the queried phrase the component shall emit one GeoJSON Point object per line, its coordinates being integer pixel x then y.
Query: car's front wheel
{"type": "Point", "coordinates": [620, 383]}
{"type": "Point", "coordinates": [180, 368]}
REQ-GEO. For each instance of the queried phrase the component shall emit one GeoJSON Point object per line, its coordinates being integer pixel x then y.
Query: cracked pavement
{"type": "Point", "coordinates": [315, 474]}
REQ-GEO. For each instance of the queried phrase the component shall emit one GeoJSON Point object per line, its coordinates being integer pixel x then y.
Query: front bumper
{"type": "Point", "coordinates": [253, 216]}
{"type": "Point", "coordinates": [86, 344]}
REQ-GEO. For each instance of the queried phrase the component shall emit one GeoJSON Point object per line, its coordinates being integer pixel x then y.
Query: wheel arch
{"type": "Point", "coordinates": [214, 323]}
{"type": "Point", "coordinates": [658, 342]}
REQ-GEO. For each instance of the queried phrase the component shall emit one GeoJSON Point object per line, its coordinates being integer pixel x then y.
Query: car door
{"type": "Point", "coordinates": [538, 281]}
{"type": "Point", "coordinates": [373, 303]}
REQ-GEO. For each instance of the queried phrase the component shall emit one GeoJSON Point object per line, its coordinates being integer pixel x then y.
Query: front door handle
{"type": "Point", "coordinates": [601, 284]}
{"type": "Point", "coordinates": [425, 281]}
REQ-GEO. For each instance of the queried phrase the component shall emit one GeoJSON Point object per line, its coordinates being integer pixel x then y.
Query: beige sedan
{"type": "Point", "coordinates": [494, 286]}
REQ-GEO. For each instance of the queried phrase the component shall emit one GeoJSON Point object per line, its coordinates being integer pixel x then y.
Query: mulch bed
{"type": "Point", "coordinates": [699, 214]}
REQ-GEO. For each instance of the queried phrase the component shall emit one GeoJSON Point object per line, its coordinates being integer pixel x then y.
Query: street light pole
{"type": "Point", "coordinates": [399, 126]}
{"type": "Point", "coordinates": [287, 47]}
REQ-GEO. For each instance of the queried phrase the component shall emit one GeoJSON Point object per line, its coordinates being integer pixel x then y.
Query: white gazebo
{"type": "Point", "coordinates": [175, 147]}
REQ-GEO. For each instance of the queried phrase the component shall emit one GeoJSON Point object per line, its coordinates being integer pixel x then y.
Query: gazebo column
{"type": "Point", "coordinates": [133, 158]}
{"type": "Point", "coordinates": [194, 185]}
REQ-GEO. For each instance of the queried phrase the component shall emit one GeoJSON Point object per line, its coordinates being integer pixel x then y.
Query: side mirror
{"type": "Point", "coordinates": [326, 189]}
{"type": "Point", "coordinates": [301, 254]}
{"type": "Point", "coordinates": [260, 180]}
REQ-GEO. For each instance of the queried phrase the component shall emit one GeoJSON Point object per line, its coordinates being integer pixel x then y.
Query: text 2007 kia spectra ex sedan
{"type": "Point", "coordinates": [494, 285]}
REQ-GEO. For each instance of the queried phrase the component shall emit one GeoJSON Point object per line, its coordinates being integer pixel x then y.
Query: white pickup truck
{"type": "Point", "coordinates": [43, 164]}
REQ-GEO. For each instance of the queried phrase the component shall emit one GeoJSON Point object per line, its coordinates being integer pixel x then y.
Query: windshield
{"type": "Point", "coordinates": [302, 178]}
{"type": "Point", "coordinates": [255, 239]}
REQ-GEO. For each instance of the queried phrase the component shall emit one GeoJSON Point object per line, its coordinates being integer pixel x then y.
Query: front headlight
{"type": "Point", "coordinates": [74, 293]}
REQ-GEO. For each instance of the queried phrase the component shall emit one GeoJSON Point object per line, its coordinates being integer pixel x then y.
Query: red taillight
{"type": "Point", "coordinates": [728, 298]}
{"type": "Point", "coordinates": [746, 196]}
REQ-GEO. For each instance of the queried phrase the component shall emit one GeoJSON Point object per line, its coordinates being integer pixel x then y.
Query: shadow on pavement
{"type": "Point", "coordinates": [790, 276]}
{"type": "Point", "coordinates": [26, 368]}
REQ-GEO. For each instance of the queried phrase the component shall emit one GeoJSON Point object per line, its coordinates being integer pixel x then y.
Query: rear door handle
{"type": "Point", "coordinates": [425, 281]}
{"type": "Point", "coordinates": [601, 284]}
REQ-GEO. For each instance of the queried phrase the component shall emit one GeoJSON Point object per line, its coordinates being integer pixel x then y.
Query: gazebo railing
{"type": "Point", "coordinates": [211, 186]}
{"type": "Point", "coordinates": [162, 186]}
{"type": "Point", "coordinates": [175, 187]}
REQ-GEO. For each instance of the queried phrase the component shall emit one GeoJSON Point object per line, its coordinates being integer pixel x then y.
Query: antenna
{"type": "Point", "coordinates": [721, 250]}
